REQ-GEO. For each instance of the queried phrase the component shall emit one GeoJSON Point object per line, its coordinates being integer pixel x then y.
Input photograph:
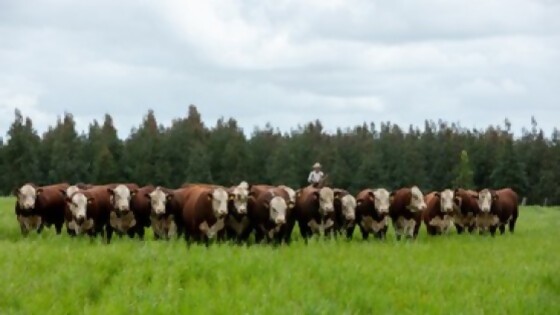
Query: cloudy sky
{"type": "Point", "coordinates": [286, 62]}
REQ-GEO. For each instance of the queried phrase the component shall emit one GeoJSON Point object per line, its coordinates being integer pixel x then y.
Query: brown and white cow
{"type": "Point", "coordinates": [498, 208]}
{"type": "Point", "coordinates": [140, 206]}
{"type": "Point", "coordinates": [372, 211]}
{"type": "Point", "coordinates": [438, 216]}
{"type": "Point", "coordinates": [314, 211]}
{"type": "Point", "coordinates": [37, 207]}
{"type": "Point", "coordinates": [90, 211]}
{"type": "Point", "coordinates": [406, 211]}
{"type": "Point", "coordinates": [122, 217]}
{"type": "Point", "coordinates": [162, 219]}
{"type": "Point", "coordinates": [237, 224]}
{"type": "Point", "coordinates": [204, 212]}
{"type": "Point", "coordinates": [268, 214]}
{"type": "Point", "coordinates": [344, 212]}
{"type": "Point", "coordinates": [466, 205]}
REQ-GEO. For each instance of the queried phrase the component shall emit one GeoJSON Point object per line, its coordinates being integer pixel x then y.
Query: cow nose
{"type": "Point", "coordinates": [280, 220]}
{"type": "Point", "coordinates": [242, 210]}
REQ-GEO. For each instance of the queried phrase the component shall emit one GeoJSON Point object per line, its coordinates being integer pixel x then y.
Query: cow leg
{"type": "Point", "coordinates": [141, 232]}
{"type": "Point", "coordinates": [459, 229]}
{"type": "Point", "coordinates": [365, 233]}
{"type": "Point", "coordinates": [502, 229]}
{"type": "Point", "coordinates": [259, 236]}
{"type": "Point", "coordinates": [512, 224]}
{"type": "Point", "coordinates": [493, 230]}
{"type": "Point", "coordinates": [109, 232]}
{"type": "Point", "coordinates": [349, 233]}
{"type": "Point", "coordinates": [58, 227]}
{"type": "Point", "coordinates": [40, 228]}
{"type": "Point", "coordinates": [471, 228]}
{"type": "Point", "coordinates": [416, 230]}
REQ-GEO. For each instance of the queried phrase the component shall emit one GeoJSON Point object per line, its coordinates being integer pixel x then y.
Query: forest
{"type": "Point", "coordinates": [435, 156]}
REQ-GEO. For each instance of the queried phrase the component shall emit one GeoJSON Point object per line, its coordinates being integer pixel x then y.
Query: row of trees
{"type": "Point", "coordinates": [438, 156]}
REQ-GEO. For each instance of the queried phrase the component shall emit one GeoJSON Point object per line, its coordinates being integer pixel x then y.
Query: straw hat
{"type": "Point", "coordinates": [317, 165]}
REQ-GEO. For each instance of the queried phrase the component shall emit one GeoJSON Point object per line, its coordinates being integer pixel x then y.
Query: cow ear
{"type": "Point", "coordinates": [359, 202]}
{"type": "Point", "coordinates": [437, 194]}
{"type": "Point", "coordinates": [169, 196]}
{"type": "Point", "coordinates": [133, 192]}
{"type": "Point", "coordinates": [62, 192]}
{"type": "Point", "coordinates": [68, 200]}
{"type": "Point", "coordinates": [298, 193]}
{"type": "Point", "coordinates": [90, 200]}
{"type": "Point", "coordinates": [110, 190]}
{"type": "Point", "coordinates": [392, 197]}
{"type": "Point", "coordinates": [291, 204]}
{"type": "Point", "coordinates": [316, 195]}
{"type": "Point", "coordinates": [148, 196]}
{"type": "Point", "coordinates": [231, 197]}
{"type": "Point", "coordinates": [458, 200]}
{"type": "Point", "coordinates": [16, 192]}
{"type": "Point", "coordinates": [495, 197]}
{"type": "Point", "coordinates": [39, 191]}
{"type": "Point", "coordinates": [210, 196]}
{"type": "Point", "coordinates": [337, 194]}
{"type": "Point", "coordinates": [266, 205]}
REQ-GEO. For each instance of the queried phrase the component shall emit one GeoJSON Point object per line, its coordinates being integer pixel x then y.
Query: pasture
{"type": "Point", "coordinates": [467, 274]}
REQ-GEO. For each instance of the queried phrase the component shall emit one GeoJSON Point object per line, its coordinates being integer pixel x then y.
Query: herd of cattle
{"type": "Point", "coordinates": [202, 212]}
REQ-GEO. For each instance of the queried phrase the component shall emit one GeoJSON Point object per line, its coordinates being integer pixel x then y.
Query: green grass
{"type": "Point", "coordinates": [511, 274]}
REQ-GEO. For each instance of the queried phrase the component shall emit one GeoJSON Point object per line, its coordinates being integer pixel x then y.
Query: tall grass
{"type": "Point", "coordinates": [467, 274]}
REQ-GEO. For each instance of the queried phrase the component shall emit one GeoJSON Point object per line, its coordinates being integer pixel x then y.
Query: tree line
{"type": "Point", "coordinates": [440, 155]}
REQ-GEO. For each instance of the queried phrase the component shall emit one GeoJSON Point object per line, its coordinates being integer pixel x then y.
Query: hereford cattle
{"type": "Point", "coordinates": [344, 213]}
{"type": "Point", "coordinates": [406, 211]}
{"type": "Point", "coordinates": [204, 212]}
{"type": "Point", "coordinates": [90, 212]}
{"type": "Point", "coordinates": [314, 211]}
{"type": "Point", "coordinates": [372, 209]}
{"type": "Point", "coordinates": [466, 204]}
{"type": "Point", "coordinates": [438, 216]}
{"type": "Point", "coordinates": [497, 209]}
{"type": "Point", "coordinates": [268, 213]}
{"type": "Point", "coordinates": [67, 213]}
{"type": "Point", "coordinates": [140, 207]}
{"type": "Point", "coordinates": [162, 219]}
{"type": "Point", "coordinates": [237, 224]}
{"type": "Point", "coordinates": [37, 207]}
{"type": "Point", "coordinates": [122, 219]}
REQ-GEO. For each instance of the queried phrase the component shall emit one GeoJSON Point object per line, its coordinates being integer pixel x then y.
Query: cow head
{"type": "Point", "coordinates": [27, 195]}
{"type": "Point", "coordinates": [325, 196]}
{"type": "Point", "coordinates": [348, 203]}
{"type": "Point", "coordinates": [485, 199]}
{"type": "Point", "coordinates": [219, 198]}
{"type": "Point", "coordinates": [120, 198]}
{"type": "Point", "coordinates": [417, 202]}
{"type": "Point", "coordinates": [70, 191]}
{"type": "Point", "coordinates": [291, 195]}
{"type": "Point", "coordinates": [77, 204]}
{"type": "Point", "coordinates": [277, 209]}
{"type": "Point", "coordinates": [158, 200]}
{"type": "Point", "coordinates": [381, 200]}
{"type": "Point", "coordinates": [239, 196]}
{"type": "Point", "coordinates": [446, 200]}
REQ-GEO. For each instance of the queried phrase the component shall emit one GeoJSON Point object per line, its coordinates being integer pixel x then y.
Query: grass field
{"type": "Point", "coordinates": [511, 274]}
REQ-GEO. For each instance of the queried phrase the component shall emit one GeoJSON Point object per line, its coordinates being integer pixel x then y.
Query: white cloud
{"type": "Point", "coordinates": [285, 62]}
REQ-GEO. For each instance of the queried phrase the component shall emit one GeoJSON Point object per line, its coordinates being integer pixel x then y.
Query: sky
{"type": "Point", "coordinates": [286, 62]}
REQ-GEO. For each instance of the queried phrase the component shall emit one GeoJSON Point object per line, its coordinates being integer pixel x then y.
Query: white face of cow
{"type": "Point", "coordinates": [72, 190]}
{"type": "Point", "coordinates": [485, 200]}
{"type": "Point", "coordinates": [277, 210]}
{"type": "Point", "coordinates": [220, 199]}
{"type": "Point", "coordinates": [26, 197]}
{"type": "Point", "coordinates": [120, 197]}
{"type": "Point", "coordinates": [158, 200]}
{"type": "Point", "coordinates": [77, 203]}
{"type": "Point", "coordinates": [417, 202]}
{"type": "Point", "coordinates": [382, 200]}
{"type": "Point", "coordinates": [240, 195]}
{"type": "Point", "coordinates": [446, 199]}
{"type": "Point", "coordinates": [326, 200]}
{"type": "Point", "coordinates": [291, 194]}
{"type": "Point", "coordinates": [348, 207]}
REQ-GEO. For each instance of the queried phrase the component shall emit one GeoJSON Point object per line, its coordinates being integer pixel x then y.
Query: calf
{"type": "Point", "coordinates": [438, 216]}
{"type": "Point", "coordinates": [37, 207]}
{"type": "Point", "coordinates": [406, 211]}
{"type": "Point", "coordinates": [372, 211]}
{"type": "Point", "coordinates": [497, 209]}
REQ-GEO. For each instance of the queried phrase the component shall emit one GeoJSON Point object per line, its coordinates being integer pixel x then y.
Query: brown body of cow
{"type": "Point", "coordinates": [504, 210]}
{"type": "Point", "coordinates": [48, 209]}
{"type": "Point", "coordinates": [200, 220]}
{"type": "Point", "coordinates": [466, 211]}
{"type": "Point", "coordinates": [369, 219]}
{"type": "Point", "coordinates": [141, 208]}
{"type": "Point", "coordinates": [437, 220]}
{"type": "Point", "coordinates": [311, 217]}
{"type": "Point", "coordinates": [267, 225]}
{"type": "Point", "coordinates": [406, 211]}
{"type": "Point", "coordinates": [98, 209]}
